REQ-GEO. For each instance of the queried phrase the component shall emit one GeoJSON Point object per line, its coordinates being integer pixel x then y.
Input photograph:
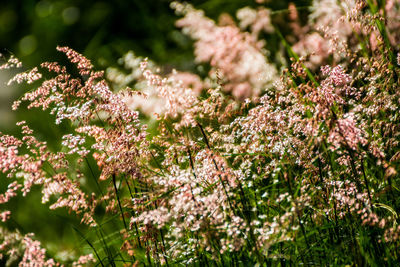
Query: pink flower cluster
{"type": "Point", "coordinates": [34, 254]}
{"type": "Point", "coordinates": [236, 55]}
{"type": "Point", "coordinates": [314, 158]}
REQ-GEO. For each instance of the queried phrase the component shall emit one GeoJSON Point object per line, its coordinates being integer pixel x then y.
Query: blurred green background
{"type": "Point", "coordinates": [103, 31]}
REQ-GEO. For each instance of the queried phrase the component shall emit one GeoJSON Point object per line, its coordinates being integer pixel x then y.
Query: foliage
{"type": "Point", "coordinates": [252, 163]}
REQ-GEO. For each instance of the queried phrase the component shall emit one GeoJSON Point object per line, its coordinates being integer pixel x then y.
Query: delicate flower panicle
{"type": "Point", "coordinates": [331, 25]}
{"type": "Point", "coordinates": [10, 193]}
{"type": "Point", "coordinates": [9, 158]}
{"type": "Point", "coordinates": [54, 67]}
{"type": "Point", "coordinates": [29, 167]}
{"type": "Point", "coordinates": [84, 260]}
{"type": "Point", "coordinates": [199, 207]}
{"type": "Point", "coordinates": [334, 89]}
{"type": "Point", "coordinates": [12, 62]}
{"type": "Point", "coordinates": [34, 254]}
{"type": "Point", "coordinates": [257, 20]}
{"type": "Point", "coordinates": [237, 55]}
{"type": "Point", "coordinates": [5, 215]}
{"type": "Point", "coordinates": [315, 47]}
{"type": "Point", "coordinates": [398, 59]}
{"type": "Point", "coordinates": [75, 144]}
{"type": "Point", "coordinates": [336, 76]}
{"type": "Point", "coordinates": [177, 97]}
{"type": "Point", "coordinates": [30, 77]}
{"type": "Point", "coordinates": [16, 247]}
{"type": "Point", "coordinates": [150, 97]}
{"type": "Point", "coordinates": [347, 133]}
{"type": "Point", "coordinates": [84, 65]}
{"type": "Point", "coordinates": [114, 105]}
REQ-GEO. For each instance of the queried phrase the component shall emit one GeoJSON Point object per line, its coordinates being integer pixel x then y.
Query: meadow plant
{"type": "Point", "coordinates": [242, 167]}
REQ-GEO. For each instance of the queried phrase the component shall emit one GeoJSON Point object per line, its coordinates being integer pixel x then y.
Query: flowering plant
{"type": "Point", "coordinates": [244, 166]}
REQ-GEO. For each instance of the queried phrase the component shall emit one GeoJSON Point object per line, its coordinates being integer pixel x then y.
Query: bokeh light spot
{"type": "Point", "coordinates": [28, 45]}
{"type": "Point", "coordinates": [44, 9]}
{"type": "Point", "coordinates": [70, 15]}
